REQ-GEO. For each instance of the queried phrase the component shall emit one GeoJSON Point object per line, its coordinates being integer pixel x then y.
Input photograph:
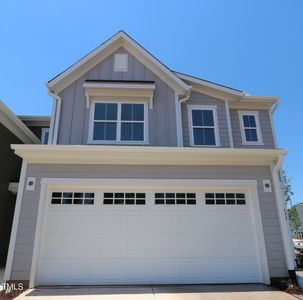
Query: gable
{"type": "Point", "coordinates": [100, 54]}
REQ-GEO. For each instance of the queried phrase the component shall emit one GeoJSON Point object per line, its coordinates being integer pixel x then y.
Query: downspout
{"type": "Point", "coordinates": [179, 124]}
{"type": "Point", "coordinates": [55, 117]}
{"type": "Point", "coordinates": [283, 218]}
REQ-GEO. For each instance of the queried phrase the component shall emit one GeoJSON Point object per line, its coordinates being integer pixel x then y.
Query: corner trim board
{"type": "Point", "coordinates": [12, 244]}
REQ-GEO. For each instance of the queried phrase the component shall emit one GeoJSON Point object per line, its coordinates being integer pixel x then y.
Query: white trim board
{"type": "Point", "coordinates": [12, 243]}
{"type": "Point", "coordinates": [141, 155]}
{"type": "Point", "coordinates": [251, 185]}
{"type": "Point", "coordinates": [16, 126]}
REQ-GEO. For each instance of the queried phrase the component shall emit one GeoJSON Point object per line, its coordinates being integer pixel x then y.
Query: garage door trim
{"type": "Point", "coordinates": [195, 184]}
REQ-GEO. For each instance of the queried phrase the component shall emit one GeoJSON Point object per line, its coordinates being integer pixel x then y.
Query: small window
{"type": "Point", "coordinates": [250, 127]}
{"type": "Point", "coordinates": [119, 123]}
{"type": "Point", "coordinates": [175, 198]}
{"type": "Point", "coordinates": [121, 62]}
{"type": "Point", "coordinates": [73, 198]}
{"type": "Point", "coordinates": [124, 198]}
{"type": "Point", "coordinates": [225, 199]}
{"type": "Point", "coordinates": [44, 136]}
{"type": "Point", "coordinates": [203, 125]}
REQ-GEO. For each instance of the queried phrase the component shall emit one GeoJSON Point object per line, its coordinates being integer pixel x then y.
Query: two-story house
{"type": "Point", "coordinates": [150, 177]}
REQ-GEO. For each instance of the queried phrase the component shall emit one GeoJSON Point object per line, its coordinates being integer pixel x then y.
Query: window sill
{"type": "Point", "coordinates": [117, 143]}
{"type": "Point", "coordinates": [252, 143]}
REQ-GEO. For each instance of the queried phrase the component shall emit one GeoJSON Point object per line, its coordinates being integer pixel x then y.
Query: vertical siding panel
{"type": "Point", "coordinates": [67, 105]}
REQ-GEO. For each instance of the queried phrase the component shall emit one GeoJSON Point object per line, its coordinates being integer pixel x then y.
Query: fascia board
{"type": "Point", "coordinates": [140, 155]}
{"type": "Point", "coordinates": [16, 126]}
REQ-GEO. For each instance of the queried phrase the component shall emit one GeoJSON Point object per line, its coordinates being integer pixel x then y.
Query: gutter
{"type": "Point", "coordinates": [179, 116]}
{"type": "Point", "coordinates": [55, 117]}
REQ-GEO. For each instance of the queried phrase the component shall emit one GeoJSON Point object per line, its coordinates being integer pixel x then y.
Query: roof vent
{"type": "Point", "coordinates": [121, 63]}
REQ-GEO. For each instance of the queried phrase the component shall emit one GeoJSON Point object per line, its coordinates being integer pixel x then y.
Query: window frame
{"type": "Point", "coordinates": [118, 140]}
{"type": "Point", "coordinates": [242, 127]}
{"type": "Point", "coordinates": [190, 108]}
{"type": "Point", "coordinates": [43, 133]}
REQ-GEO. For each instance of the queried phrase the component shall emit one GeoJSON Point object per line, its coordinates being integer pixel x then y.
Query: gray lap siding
{"type": "Point", "coordinates": [29, 208]}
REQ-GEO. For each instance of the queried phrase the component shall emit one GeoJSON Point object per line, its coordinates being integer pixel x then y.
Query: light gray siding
{"type": "Point", "coordinates": [198, 99]}
{"type": "Point", "coordinates": [27, 222]}
{"type": "Point", "coordinates": [266, 130]}
{"type": "Point", "coordinates": [74, 118]}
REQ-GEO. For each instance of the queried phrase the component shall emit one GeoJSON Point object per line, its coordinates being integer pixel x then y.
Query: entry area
{"type": "Point", "coordinates": [168, 233]}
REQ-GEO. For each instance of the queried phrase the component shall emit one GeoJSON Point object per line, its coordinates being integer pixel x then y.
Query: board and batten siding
{"type": "Point", "coordinates": [74, 118]}
{"type": "Point", "coordinates": [29, 208]}
{"type": "Point", "coordinates": [201, 99]}
{"type": "Point", "coordinates": [265, 126]}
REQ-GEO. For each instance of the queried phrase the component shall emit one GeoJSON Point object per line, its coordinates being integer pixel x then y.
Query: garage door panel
{"type": "Point", "coordinates": [57, 222]}
{"type": "Point", "coordinates": [148, 244]}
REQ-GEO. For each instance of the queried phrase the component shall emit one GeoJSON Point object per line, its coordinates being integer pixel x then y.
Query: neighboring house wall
{"type": "Point", "coordinates": [265, 126]}
{"type": "Point", "coordinates": [29, 209]}
{"type": "Point", "coordinates": [9, 172]}
{"type": "Point", "coordinates": [74, 118]}
{"type": "Point", "coordinates": [201, 99]}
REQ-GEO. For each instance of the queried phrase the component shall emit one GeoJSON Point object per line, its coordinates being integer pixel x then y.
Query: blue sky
{"type": "Point", "coordinates": [255, 46]}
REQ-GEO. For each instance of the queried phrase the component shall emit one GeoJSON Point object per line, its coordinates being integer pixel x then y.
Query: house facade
{"type": "Point", "coordinates": [12, 131]}
{"type": "Point", "coordinates": [150, 176]}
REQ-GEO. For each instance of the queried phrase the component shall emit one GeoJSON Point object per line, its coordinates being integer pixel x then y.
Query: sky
{"type": "Point", "coordinates": [252, 45]}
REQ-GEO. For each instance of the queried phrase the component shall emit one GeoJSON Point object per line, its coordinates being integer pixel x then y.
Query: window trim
{"type": "Point", "coordinates": [190, 108]}
{"type": "Point", "coordinates": [254, 113]}
{"type": "Point", "coordinates": [118, 132]}
{"type": "Point", "coordinates": [43, 132]}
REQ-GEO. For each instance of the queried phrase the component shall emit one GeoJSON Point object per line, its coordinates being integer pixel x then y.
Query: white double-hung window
{"type": "Point", "coordinates": [118, 122]}
{"type": "Point", "coordinates": [250, 128]}
{"type": "Point", "coordinates": [203, 125]}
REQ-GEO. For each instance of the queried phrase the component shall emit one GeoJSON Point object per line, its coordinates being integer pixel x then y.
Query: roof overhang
{"type": "Point", "coordinates": [121, 39]}
{"type": "Point", "coordinates": [237, 98]}
{"type": "Point", "coordinates": [114, 91]}
{"type": "Point", "coordinates": [16, 126]}
{"type": "Point", "coordinates": [140, 155]}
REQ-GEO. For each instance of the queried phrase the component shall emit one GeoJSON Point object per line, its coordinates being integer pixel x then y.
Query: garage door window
{"type": "Point", "coordinates": [225, 199]}
{"type": "Point", "coordinates": [124, 198]}
{"type": "Point", "coordinates": [73, 198]}
{"type": "Point", "coordinates": [175, 198]}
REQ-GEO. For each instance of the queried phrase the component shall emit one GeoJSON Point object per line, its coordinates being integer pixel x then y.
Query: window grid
{"type": "Point", "coordinates": [225, 199]}
{"type": "Point", "coordinates": [119, 122]}
{"type": "Point", "coordinates": [124, 198]}
{"type": "Point", "coordinates": [73, 198]}
{"type": "Point", "coordinates": [175, 198]}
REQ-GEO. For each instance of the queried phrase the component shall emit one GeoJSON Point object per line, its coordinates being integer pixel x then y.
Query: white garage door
{"type": "Point", "coordinates": [129, 236]}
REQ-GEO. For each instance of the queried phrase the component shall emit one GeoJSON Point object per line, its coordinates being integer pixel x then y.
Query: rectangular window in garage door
{"type": "Point", "coordinates": [175, 198]}
{"type": "Point", "coordinates": [225, 199]}
{"type": "Point", "coordinates": [73, 198]}
{"type": "Point", "coordinates": [124, 198]}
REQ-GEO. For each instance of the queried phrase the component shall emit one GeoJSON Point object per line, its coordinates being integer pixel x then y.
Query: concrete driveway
{"type": "Point", "coordinates": [169, 292]}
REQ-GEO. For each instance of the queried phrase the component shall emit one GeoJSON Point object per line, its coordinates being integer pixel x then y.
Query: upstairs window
{"type": "Point", "coordinates": [44, 136]}
{"type": "Point", "coordinates": [250, 128]}
{"type": "Point", "coordinates": [203, 125]}
{"type": "Point", "coordinates": [119, 123]}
